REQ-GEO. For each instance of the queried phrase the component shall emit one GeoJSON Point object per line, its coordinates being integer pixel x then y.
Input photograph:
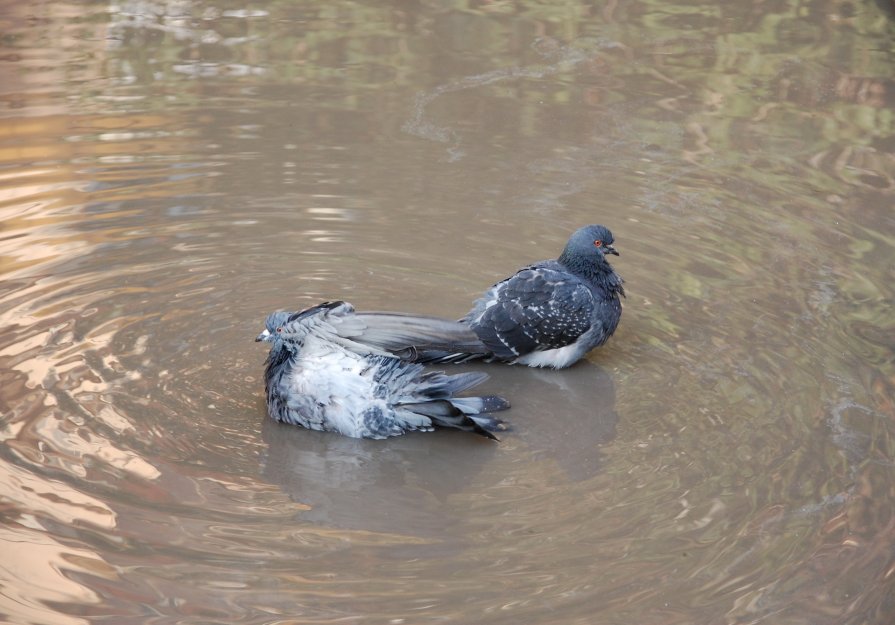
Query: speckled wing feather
{"type": "Point", "coordinates": [540, 307]}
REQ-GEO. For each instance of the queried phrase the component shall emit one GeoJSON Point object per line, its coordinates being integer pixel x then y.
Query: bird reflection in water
{"type": "Point", "coordinates": [404, 483]}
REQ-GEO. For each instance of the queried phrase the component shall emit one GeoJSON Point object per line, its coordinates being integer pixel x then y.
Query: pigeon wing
{"type": "Point", "coordinates": [316, 322]}
{"type": "Point", "coordinates": [538, 308]}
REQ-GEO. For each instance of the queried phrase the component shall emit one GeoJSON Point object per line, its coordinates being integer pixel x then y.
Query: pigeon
{"type": "Point", "coordinates": [548, 314]}
{"type": "Point", "coordinates": [320, 380]}
{"type": "Point", "coordinates": [552, 313]}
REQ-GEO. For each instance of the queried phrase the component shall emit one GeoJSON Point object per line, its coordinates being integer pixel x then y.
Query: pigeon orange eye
{"type": "Point", "coordinates": [598, 243]}
{"type": "Point", "coordinates": [279, 330]}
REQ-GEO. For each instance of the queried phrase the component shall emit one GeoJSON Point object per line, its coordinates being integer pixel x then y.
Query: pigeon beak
{"type": "Point", "coordinates": [608, 249]}
{"type": "Point", "coordinates": [263, 336]}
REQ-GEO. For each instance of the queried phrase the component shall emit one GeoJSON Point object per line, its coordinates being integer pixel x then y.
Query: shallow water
{"type": "Point", "coordinates": [171, 172]}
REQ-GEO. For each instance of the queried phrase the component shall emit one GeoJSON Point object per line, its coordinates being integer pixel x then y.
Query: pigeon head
{"type": "Point", "coordinates": [274, 320]}
{"type": "Point", "coordinates": [588, 246]}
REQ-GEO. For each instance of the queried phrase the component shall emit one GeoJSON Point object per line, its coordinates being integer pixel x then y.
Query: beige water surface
{"type": "Point", "coordinates": [170, 172]}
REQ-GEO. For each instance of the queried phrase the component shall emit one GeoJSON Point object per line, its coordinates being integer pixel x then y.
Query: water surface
{"type": "Point", "coordinates": [172, 172]}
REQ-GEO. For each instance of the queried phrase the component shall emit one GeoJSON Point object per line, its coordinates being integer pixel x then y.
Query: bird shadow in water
{"type": "Point", "coordinates": [401, 484]}
{"type": "Point", "coordinates": [564, 415]}
{"type": "Point", "coordinates": [397, 485]}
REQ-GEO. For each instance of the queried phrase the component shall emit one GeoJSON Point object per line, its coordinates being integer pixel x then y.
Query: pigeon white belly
{"type": "Point", "coordinates": [557, 358]}
{"type": "Point", "coordinates": [335, 379]}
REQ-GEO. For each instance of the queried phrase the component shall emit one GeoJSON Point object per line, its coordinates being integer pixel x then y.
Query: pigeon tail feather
{"type": "Point", "coordinates": [479, 405]}
{"type": "Point", "coordinates": [443, 413]}
{"type": "Point", "coordinates": [441, 386]}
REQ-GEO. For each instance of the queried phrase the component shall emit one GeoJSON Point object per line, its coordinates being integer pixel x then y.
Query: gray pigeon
{"type": "Point", "coordinates": [552, 313]}
{"type": "Point", "coordinates": [549, 314]}
{"type": "Point", "coordinates": [318, 378]}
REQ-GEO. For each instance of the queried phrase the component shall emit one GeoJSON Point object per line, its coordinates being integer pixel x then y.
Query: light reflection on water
{"type": "Point", "coordinates": [171, 175]}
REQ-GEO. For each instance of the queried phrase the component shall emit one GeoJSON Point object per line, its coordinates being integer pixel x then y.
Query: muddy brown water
{"type": "Point", "coordinates": [172, 172]}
